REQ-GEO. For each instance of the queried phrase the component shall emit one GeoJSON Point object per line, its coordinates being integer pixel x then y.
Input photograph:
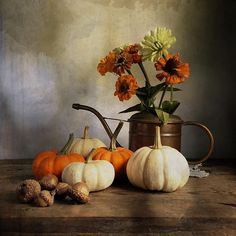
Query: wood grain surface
{"type": "Point", "coordinates": [204, 206]}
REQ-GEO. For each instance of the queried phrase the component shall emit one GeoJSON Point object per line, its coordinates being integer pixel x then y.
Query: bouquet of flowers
{"type": "Point", "coordinates": [169, 68]}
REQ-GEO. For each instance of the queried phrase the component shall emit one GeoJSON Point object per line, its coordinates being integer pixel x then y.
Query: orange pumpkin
{"type": "Point", "coordinates": [52, 162]}
{"type": "Point", "coordinates": [117, 156]}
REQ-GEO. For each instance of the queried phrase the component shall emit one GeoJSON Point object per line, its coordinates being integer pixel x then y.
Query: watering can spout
{"type": "Point", "coordinates": [99, 116]}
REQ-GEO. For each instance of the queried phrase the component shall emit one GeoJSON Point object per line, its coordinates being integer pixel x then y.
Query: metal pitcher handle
{"type": "Point", "coordinates": [211, 141]}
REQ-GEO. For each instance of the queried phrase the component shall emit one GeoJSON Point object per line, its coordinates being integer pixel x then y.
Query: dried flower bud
{"type": "Point", "coordinates": [79, 192]}
{"type": "Point", "coordinates": [28, 190]}
{"type": "Point", "coordinates": [44, 198]}
{"type": "Point", "coordinates": [49, 182]}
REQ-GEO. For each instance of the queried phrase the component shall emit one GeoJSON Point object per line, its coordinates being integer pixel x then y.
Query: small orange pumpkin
{"type": "Point", "coordinates": [117, 156]}
{"type": "Point", "coordinates": [52, 162]}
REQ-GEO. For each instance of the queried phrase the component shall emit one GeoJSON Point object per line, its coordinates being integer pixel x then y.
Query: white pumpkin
{"type": "Point", "coordinates": [98, 174]}
{"type": "Point", "coordinates": [84, 145]}
{"type": "Point", "coordinates": [161, 168]}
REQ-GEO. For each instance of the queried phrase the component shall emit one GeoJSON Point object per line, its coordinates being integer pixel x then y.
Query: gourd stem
{"type": "Point", "coordinates": [114, 136]}
{"type": "Point", "coordinates": [65, 149]}
{"type": "Point", "coordinates": [157, 141]}
{"type": "Point", "coordinates": [86, 132]}
{"type": "Point", "coordinates": [90, 155]}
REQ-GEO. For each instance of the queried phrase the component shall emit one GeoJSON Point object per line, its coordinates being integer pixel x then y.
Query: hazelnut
{"type": "Point", "coordinates": [27, 190]}
{"type": "Point", "coordinates": [79, 192]}
{"type": "Point", "coordinates": [44, 198]}
{"type": "Point", "coordinates": [49, 182]}
{"type": "Point", "coordinates": [62, 190]}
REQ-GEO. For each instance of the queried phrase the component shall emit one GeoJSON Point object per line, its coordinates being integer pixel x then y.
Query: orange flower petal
{"type": "Point", "coordinates": [107, 63]}
{"type": "Point", "coordinates": [184, 70]}
{"type": "Point", "coordinates": [172, 69]}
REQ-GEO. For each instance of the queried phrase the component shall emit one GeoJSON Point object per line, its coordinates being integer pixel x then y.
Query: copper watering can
{"type": "Point", "coordinates": [142, 130]}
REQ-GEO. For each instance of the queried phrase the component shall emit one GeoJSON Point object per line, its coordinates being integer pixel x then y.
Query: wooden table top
{"type": "Point", "coordinates": [204, 206]}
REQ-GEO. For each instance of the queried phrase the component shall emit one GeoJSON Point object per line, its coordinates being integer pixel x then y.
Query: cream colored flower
{"type": "Point", "coordinates": [156, 43]}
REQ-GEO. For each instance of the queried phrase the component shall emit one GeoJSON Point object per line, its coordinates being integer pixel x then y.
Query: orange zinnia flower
{"type": "Point", "coordinates": [172, 69]}
{"type": "Point", "coordinates": [123, 63]}
{"type": "Point", "coordinates": [107, 63]}
{"type": "Point", "coordinates": [126, 86]}
{"type": "Point", "coordinates": [115, 62]}
{"type": "Point", "coordinates": [133, 51]}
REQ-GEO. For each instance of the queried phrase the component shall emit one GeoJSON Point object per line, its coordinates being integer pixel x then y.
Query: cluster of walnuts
{"type": "Point", "coordinates": [42, 192]}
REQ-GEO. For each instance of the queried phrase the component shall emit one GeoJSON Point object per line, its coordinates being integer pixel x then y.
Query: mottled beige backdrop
{"type": "Point", "coordinates": [49, 50]}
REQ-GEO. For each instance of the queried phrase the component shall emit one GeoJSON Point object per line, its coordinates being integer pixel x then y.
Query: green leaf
{"type": "Point", "coordinates": [137, 107]}
{"type": "Point", "coordinates": [118, 50]}
{"type": "Point", "coordinates": [153, 90]}
{"type": "Point", "coordinates": [142, 90]}
{"type": "Point", "coordinates": [162, 115]}
{"type": "Point", "coordinates": [142, 94]}
{"type": "Point", "coordinates": [142, 98]}
{"type": "Point", "coordinates": [170, 106]}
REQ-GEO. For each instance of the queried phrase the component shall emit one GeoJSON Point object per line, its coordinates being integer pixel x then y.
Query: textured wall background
{"type": "Point", "coordinates": [49, 50]}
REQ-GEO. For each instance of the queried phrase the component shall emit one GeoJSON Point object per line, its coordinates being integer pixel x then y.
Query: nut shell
{"type": "Point", "coordinates": [79, 192]}
{"type": "Point", "coordinates": [49, 182]}
{"type": "Point", "coordinates": [44, 199]}
{"type": "Point", "coordinates": [27, 190]}
{"type": "Point", "coordinates": [62, 190]}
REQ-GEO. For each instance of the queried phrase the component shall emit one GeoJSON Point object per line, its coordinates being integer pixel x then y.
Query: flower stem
{"type": "Point", "coordinates": [163, 55]}
{"type": "Point", "coordinates": [171, 92]}
{"type": "Point", "coordinates": [129, 72]}
{"type": "Point", "coordinates": [145, 74]}
{"type": "Point", "coordinates": [162, 96]}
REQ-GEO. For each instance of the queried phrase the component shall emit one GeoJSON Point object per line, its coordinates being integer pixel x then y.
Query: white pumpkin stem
{"type": "Point", "coordinates": [114, 136]}
{"type": "Point", "coordinates": [86, 132]}
{"type": "Point", "coordinates": [157, 141]}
